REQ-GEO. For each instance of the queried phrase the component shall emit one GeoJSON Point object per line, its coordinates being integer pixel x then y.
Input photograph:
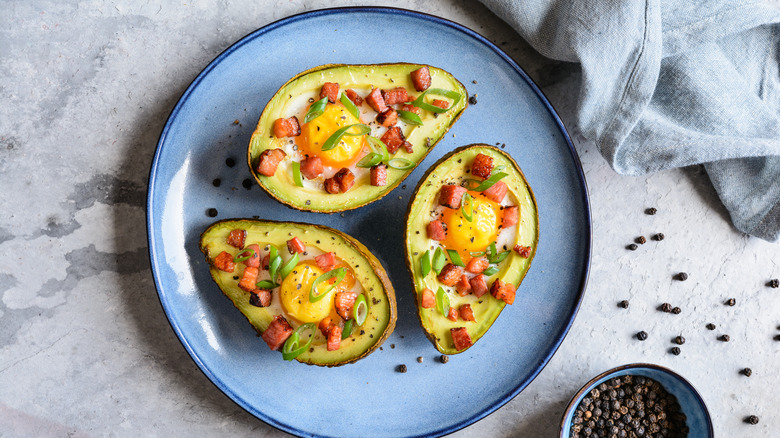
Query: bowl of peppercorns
{"type": "Point", "coordinates": [637, 400]}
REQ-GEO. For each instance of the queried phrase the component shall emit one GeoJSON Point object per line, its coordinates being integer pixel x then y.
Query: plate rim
{"type": "Point", "coordinates": [585, 199]}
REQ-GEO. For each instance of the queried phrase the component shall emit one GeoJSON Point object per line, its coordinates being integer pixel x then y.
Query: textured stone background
{"type": "Point", "coordinates": [85, 348]}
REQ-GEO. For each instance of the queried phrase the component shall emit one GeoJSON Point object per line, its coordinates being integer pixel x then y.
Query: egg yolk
{"type": "Point", "coordinates": [315, 133]}
{"type": "Point", "coordinates": [294, 293]}
{"type": "Point", "coordinates": [472, 236]}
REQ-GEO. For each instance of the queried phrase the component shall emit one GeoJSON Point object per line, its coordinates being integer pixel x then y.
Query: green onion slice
{"type": "Point", "coordinates": [242, 258]}
{"type": "Point", "coordinates": [349, 105]}
{"type": "Point", "coordinates": [297, 178]}
{"type": "Point", "coordinates": [492, 269]}
{"type": "Point", "coordinates": [370, 160]}
{"type": "Point", "coordinates": [274, 264]}
{"type": "Point", "coordinates": [347, 329]}
{"type": "Point", "coordinates": [467, 214]}
{"type": "Point", "coordinates": [338, 273]}
{"type": "Point", "coordinates": [500, 168]}
{"type": "Point", "coordinates": [315, 110]}
{"type": "Point", "coordinates": [442, 301]}
{"type": "Point", "coordinates": [267, 284]}
{"type": "Point", "coordinates": [455, 257]}
{"type": "Point", "coordinates": [439, 260]}
{"type": "Point", "coordinates": [400, 164]}
{"type": "Point", "coordinates": [379, 147]}
{"type": "Point", "coordinates": [335, 138]}
{"type": "Point", "coordinates": [488, 183]}
{"type": "Point", "coordinates": [477, 253]}
{"type": "Point", "coordinates": [425, 263]}
{"type": "Point", "coordinates": [292, 348]}
{"type": "Point", "coordinates": [410, 117]}
{"type": "Point", "coordinates": [500, 257]}
{"type": "Point", "coordinates": [288, 267]}
{"type": "Point", "coordinates": [360, 310]}
{"type": "Point", "coordinates": [420, 101]}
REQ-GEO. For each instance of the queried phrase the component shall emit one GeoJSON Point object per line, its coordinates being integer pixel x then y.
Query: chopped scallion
{"type": "Point", "coordinates": [439, 260]}
{"type": "Point", "coordinates": [442, 301]}
{"type": "Point", "coordinates": [455, 258]}
{"type": "Point", "coordinates": [425, 263]}
{"type": "Point", "coordinates": [337, 273]}
{"type": "Point", "coordinates": [335, 138]}
{"type": "Point", "coordinates": [292, 348]}
{"type": "Point", "coordinates": [360, 310]}
{"type": "Point", "coordinates": [349, 105]}
{"type": "Point", "coordinates": [410, 118]}
{"type": "Point", "coordinates": [297, 178]}
{"type": "Point", "coordinates": [244, 255]}
{"type": "Point", "coordinates": [315, 110]}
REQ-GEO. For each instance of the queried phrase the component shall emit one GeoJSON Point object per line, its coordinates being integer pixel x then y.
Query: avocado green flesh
{"type": "Point", "coordinates": [452, 170]}
{"type": "Point", "coordinates": [361, 78]}
{"type": "Point", "coordinates": [380, 321]}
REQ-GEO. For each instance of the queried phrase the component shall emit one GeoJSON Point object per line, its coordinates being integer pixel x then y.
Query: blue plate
{"type": "Point", "coordinates": [368, 398]}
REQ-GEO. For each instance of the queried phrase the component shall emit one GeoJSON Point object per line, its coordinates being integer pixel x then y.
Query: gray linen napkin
{"type": "Point", "coordinates": [674, 83]}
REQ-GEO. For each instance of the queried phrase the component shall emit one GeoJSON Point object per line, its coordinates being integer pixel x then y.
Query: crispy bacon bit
{"type": "Point", "coordinates": [461, 338]}
{"type": "Point", "coordinates": [428, 300]}
{"type": "Point", "coordinates": [311, 167]}
{"type": "Point", "coordinates": [450, 196]}
{"type": "Point", "coordinates": [477, 265]}
{"type": "Point", "coordinates": [482, 166]}
{"type": "Point", "coordinates": [330, 90]}
{"type": "Point", "coordinates": [236, 238]}
{"type": "Point", "coordinates": [249, 279]}
{"type": "Point", "coordinates": [463, 286]}
{"type": "Point", "coordinates": [393, 139]}
{"type": "Point", "coordinates": [496, 192]}
{"type": "Point", "coordinates": [511, 214]}
{"type": "Point", "coordinates": [450, 274]}
{"type": "Point", "coordinates": [260, 298]}
{"type": "Point", "coordinates": [354, 97]}
{"type": "Point", "coordinates": [379, 175]}
{"type": "Point", "coordinates": [421, 78]}
{"type": "Point", "coordinates": [254, 259]}
{"type": "Point", "coordinates": [376, 101]}
{"type": "Point", "coordinates": [277, 332]}
{"type": "Point", "coordinates": [452, 315]}
{"type": "Point", "coordinates": [269, 160]}
{"type": "Point", "coordinates": [345, 179]}
{"type": "Point", "coordinates": [387, 118]}
{"type": "Point", "coordinates": [296, 245]}
{"type": "Point", "coordinates": [466, 313]}
{"type": "Point", "coordinates": [325, 326]}
{"type": "Point", "coordinates": [524, 251]}
{"type": "Point", "coordinates": [289, 127]}
{"type": "Point", "coordinates": [479, 285]}
{"type": "Point", "coordinates": [331, 186]}
{"type": "Point", "coordinates": [326, 261]}
{"type": "Point", "coordinates": [344, 302]}
{"type": "Point", "coordinates": [443, 104]}
{"type": "Point", "coordinates": [503, 291]}
{"type": "Point", "coordinates": [408, 147]}
{"type": "Point", "coordinates": [224, 262]}
{"type": "Point", "coordinates": [395, 96]}
{"type": "Point", "coordinates": [411, 108]}
{"type": "Point", "coordinates": [436, 230]}
{"type": "Point", "coordinates": [334, 338]}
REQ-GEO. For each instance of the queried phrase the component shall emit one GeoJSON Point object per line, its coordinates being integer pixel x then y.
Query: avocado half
{"type": "Point", "coordinates": [361, 78]}
{"type": "Point", "coordinates": [454, 168]}
{"type": "Point", "coordinates": [382, 314]}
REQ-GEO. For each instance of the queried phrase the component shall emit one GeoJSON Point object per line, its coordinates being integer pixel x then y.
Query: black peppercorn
{"type": "Point", "coordinates": [632, 247]}
{"type": "Point", "coordinates": [473, 100]}
{"type": "Point", "coordinates": [651, 211]}
{"type": "Point", "coordinates": [751, 419]}
{"type": "Point", "coordinates": [247, 183]}
{"type": "Point", "coordinates": [216, 182]}
{"type": "Point", "coordinates": [724, 338]}
{"type": "Point", "coordinates": [730, 302]}
{"type": "Point", "coordinates": [211, 212]}
{"type": "Point", "coordinates": [676, 310]}
{"type": "Point", "coordinates": [711, 326]}
{"type": "Point", "coordinates": [775, 283]}
{"type": "Point", "coordinates": [658, 237]}
{"type": "Point", "coordinates": [419, 359]}
{"type": "Point", "coordinates": [679, 340]}
{"type": "Point", "coordinates": [675, 351]}
{"type": "Point", "coordinates": [402, 368]}
{"type": "Point", "coordinates": [230, 162]}
{"type": "Point", "coordinates": [777, 338]}
{"type": "Point", "coordinates": [641, 335]}
{"type": "Point", "coordinates": [682, 276]}
{"type": "Point", "coordinates": [747, 372]}
{"type": "Point", "coordinates": [444, 358]}
{"type": "Point", "coordinates": [623, 304]}
{"type": "Point", "coordinates": [665, 307]}
{"type": "Point", "coordinates": [640, 240]}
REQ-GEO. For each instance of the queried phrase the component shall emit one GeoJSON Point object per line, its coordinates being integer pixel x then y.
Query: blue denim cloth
{"type": "Point", "coordinates": [674, 83]}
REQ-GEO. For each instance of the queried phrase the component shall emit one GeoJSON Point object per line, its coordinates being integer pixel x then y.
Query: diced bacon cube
{"type": "Point", "coordinates": [289, 127]}
{"type": "Point", "coordinates": [311, 167]}
{"type": "Point", "coordinates": [408, 147]}
{"type": "Point", "coordinates": [463, 286]}
{"type": "Point", "coordinates": [330, 90]}
{"type": "Point", "coordinates": [345, 179]}
{"type": "Point", "coordinates": [334, 338]}
{"type": "Point", "coordinates": [296, 245]}
{"type": "Point", "coordinates": [411, 108]}
{"type": "Point", "coordinates": [395, 96]}
{"type": "Point", "coordinates": [524, 251]}
{"type": "Point", "coordinates": [421, 78]}
{"type": "Point", "coordinates": [269, 160]}
{"type": "Point", "coordinates": [496, 192]}
{"type": "Point", "coordinates": [236, 238]}
{"type": "Point", "coordinates": [393, 139]}
{"type": "Point", "coordinates": [326, 261]}
{"type": "Point", "coordinates": [331, 186]}
{"type": "Point", "coordinates": [443, 104]}
{"type": "Point", "coordinates": [466, 313]}
{"type": "Point", "coordinates": [277, 332]}
{"type": "Point", "coordinates": [249, 279]}
{"type": "Point", "coordinates": [510, 216]}
{"type": "Point", "coordinates": [325, 326]}
{"type": "Point", "coordinates": [354, 97]}
{"type": "Point", "coordinates": [477, 265]}
{"type": "Point", "coordinates": [450, 274]}
{"type": "Point", "coordinates": [461, 338]}
{"type": "Point", "coordinates": [452, 315]}
{"type": "Point", "coordinates": [254, 259]}
{"type": "Point", "coordinates": [376, 101]}
{"type": "Point", "coordinates": [344, 301]}
{"type": "Point", "coordinates": [224, 262]}
{"type": "Point", "coordinates": [436, 230]}
{"type": "Point", "coordinates": [482, 166]}
{"type": "Point", "coordinates": [387, 118]}
{"type": "Point", "coordinates": [479, 285]}
{"type": "Point", "coordinates": [379, 175]}
{"type": "Point", "coordinates": [450, 196]}
{"type": "Point", "coordinates": [428, 300]}
{"type": "Point", "coordinates": [503, 291]}
{"type": "Point", "coordinates": [260, 298]}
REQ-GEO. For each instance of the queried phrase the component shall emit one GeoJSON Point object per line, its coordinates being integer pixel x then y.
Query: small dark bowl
{"type": "Point", "coordinates": [698, 417]}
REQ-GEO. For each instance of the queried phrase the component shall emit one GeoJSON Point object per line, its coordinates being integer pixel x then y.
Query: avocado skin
{"type": "Point", "coordinates": [513, 269]}
{"type": "Point", "coordinates": [389, 75]}
{"type": "Point", "coordinates": [382, 316]}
